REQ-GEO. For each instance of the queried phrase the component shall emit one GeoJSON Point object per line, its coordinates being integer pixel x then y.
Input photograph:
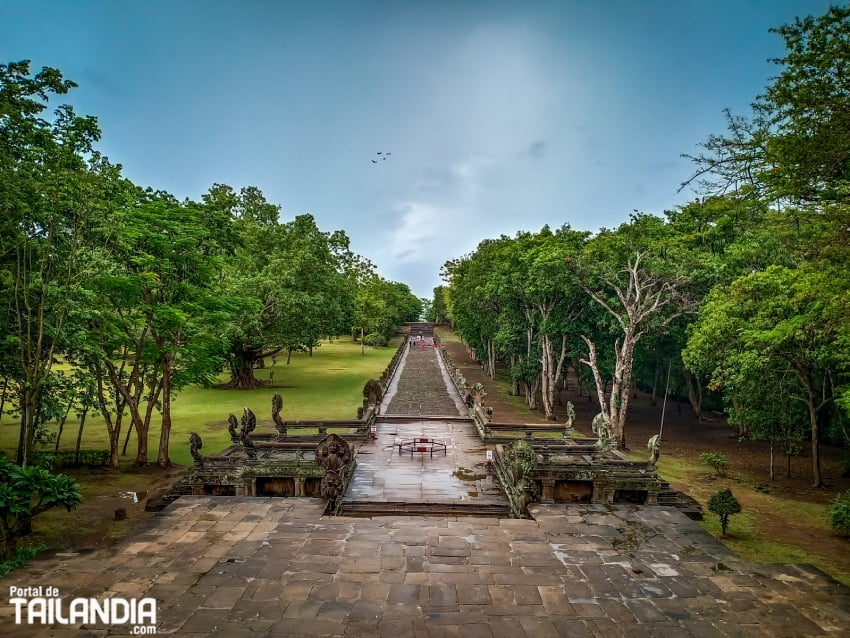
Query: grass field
{"type": "Point", "coordinates": [328, 385]}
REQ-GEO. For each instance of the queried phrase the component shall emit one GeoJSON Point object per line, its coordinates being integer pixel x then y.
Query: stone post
{"type": "Point", "coordinates": [548, 494]}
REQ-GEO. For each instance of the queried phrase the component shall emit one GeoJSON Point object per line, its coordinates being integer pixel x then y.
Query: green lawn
{"type": "Point", "coordinates": [328, 385]}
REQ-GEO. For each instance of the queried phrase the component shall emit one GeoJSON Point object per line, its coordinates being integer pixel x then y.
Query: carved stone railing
{"type": "Point", "coordinates": [471, 394]}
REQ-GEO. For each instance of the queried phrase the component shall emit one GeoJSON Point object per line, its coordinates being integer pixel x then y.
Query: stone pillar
{"type": "Point", "coordinates": [600, 491]}
{"type": "Point", "coordinates": [299, 485]}
{"type": "Point", "coordinates": [548, 493]}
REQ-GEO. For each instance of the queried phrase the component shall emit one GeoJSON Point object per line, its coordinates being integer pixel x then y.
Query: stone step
{"type": "Point", "coordinates": [669, 497]}
{"type": "Point", "coordinates": [368, 509]}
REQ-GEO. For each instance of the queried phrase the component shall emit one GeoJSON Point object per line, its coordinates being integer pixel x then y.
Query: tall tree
{"type": "Point", "coordinates": [628, 275]}
{"type": "Point", "coordinates": [54, 188]}
{"type": "Point", "coordinates": [777, 315]}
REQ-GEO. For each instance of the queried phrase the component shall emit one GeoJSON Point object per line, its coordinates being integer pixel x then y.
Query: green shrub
{"type": "Point", "coordinates": [26, 492]}
{"type": "Point", "coordinates": [68, 458]}
{"type": "Point", "coordinates": [716, 461]}
{"type": "Point", "coordinates": [375, 339]}
{"type": "Point", "coordinates": [724, 504]}
{"type": "Point", "coordinates": [21, 556]}
{"type": "Point", "coordinates": [839, 514]}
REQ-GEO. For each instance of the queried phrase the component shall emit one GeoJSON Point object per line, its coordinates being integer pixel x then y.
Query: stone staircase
{"type": "Point", "coordinates": [669, 497]}
{"type": "Point", "coordinates": [369, 509]}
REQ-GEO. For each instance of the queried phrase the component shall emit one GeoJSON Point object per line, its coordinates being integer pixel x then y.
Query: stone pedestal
{"type": "Point", "coordinates": [548, 494]}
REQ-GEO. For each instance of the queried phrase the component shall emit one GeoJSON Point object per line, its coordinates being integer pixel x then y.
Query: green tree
{"type": "Point", "coordinates": [26, 492]}
{"type": "Point", "coordinates": [292, 274]}
{"type": "Point", "coordinates": [152, 315]}
{"type": "Point", "coordinates": [54, 190]}
{"type": "Point", "coordinates": [438, 310]}
{"type": "Point", "coordinates": [724, 504]}
{"type": "Point", "coordinates": [779, 315]}
{"type": "Point", "coordinates": [631, 275]}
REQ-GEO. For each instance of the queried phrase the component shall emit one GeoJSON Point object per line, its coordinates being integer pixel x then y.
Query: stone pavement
{"type": "Point", "coordinates": [421, 386]}
{"type": "Point", "coordinates": [238, 566]}
{"type": "Point", "coordinates": [383, 475]}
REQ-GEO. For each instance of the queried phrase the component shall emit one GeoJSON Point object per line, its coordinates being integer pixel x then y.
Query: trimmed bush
{"type": "Point", "coordinates": [68, 458]}
{"type": "Point", "coordinates": [839, 515]}
{"type": "Point", "coordinates": [716, 461]}
{"type": "Point", "coordinates": [375, 339]}
{"type": "Point", "coordinates": [724, 504]}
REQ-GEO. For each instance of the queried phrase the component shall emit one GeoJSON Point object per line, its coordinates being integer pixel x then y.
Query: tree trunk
{"type": "Point", "coordinates": [126, 442]}
{"type": "Point", "coordinates": [616, 407]}
{"type": "Point", "coordinates": [362, 345]}
{"type": "Point", "coordinates": [242, 372]}
{"type": "Point", "coordinates": [551, 373]}
{"type": "Point", "coordinates": [772, 470]}
{"type": "Point", "coordinates": [804, 375]}
{"type": "Point", "coordinates": [113, 429]}
{"type": "Point", "coordinates": [531, 390]}
{"type": "Point", "coordinates": [62, 425]}
{"type": "Point", "coordinates": [3, 395]}
{"type": "Point", "coordinates": [162, 459]}
{"type": "Point", "coordinates": [694, 393]}
{"type": "Point", "coordinates": [817, 478]}
{"type": "Point", "coordinates": [29, 402]}
{"type": "Point", "coordinates": [491, 358]}
{"type": "Point", "coordinates": [80, 437]}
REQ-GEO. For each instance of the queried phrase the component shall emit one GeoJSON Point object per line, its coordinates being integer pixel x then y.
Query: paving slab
{"type": "Point", "coordinates": [324, 578]}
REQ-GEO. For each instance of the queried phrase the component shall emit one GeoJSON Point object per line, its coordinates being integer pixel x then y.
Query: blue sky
{"type": "Point", "coordinates": [500, 116]}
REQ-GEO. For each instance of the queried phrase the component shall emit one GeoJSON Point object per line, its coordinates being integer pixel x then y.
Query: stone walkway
{"type": "Point", "coordinates": [460, 475]}
{"type": "Point", "coordinates": [422, 386]}
{"type": "Point", "coordinates": [237, 566]}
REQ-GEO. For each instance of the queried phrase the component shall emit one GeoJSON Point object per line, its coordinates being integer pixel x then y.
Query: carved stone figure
{"type": "Point", "coordinates": [654, 447]}
{"type": "Point", "coordinates": [520, 461]}
{"type": "Point", "coordinates": [478, 393]}
{"type": "Point", "coordinates": [333, 453]}
{"type": "Point", "coordinates": [249, 423]}
{"type": "Point", "coordinates": [373, 394]}
{"type": "Point", "coordinates": [571, 418]}
{"type": "Point", "coordinates": [277, 406]}
{"type": "Point", "coordinates": [195, 445]}
{"type": "Point", "coordinates": [232, 425]}
{"type": "Point", "coordinates": [601, 428]}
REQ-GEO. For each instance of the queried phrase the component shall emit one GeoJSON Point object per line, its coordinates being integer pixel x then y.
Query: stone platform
{"type": "Point", "coordinates": [239, 566]}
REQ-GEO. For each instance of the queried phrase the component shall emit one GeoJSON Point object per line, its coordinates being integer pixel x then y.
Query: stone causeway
{"type": "Point", "coordinates": [258, 566]}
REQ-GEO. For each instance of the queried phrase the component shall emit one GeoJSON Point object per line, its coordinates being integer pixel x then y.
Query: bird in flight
{"type": "Point", "coordinates": [383, 156]}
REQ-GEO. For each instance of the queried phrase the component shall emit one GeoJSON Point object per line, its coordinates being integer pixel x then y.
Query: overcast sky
{"type": "Point", "coordinates": [499, 116]}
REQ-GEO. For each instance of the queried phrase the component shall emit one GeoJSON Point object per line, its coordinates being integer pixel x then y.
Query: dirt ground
{"type": "Point", "coordinates": [770, 504]}
{"type": "Point", "coordinates": [93, 525]}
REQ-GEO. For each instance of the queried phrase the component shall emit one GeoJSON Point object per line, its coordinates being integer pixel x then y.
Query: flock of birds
{"type": "Point", "coordinates": [383, 155]}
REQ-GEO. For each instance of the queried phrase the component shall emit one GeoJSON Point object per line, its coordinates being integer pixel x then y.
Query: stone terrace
{"type": "Point", "coordinates": [237, 566]}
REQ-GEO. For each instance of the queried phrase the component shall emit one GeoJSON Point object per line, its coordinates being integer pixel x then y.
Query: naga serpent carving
{"type": "Point", "coordinates": [333, 453]}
